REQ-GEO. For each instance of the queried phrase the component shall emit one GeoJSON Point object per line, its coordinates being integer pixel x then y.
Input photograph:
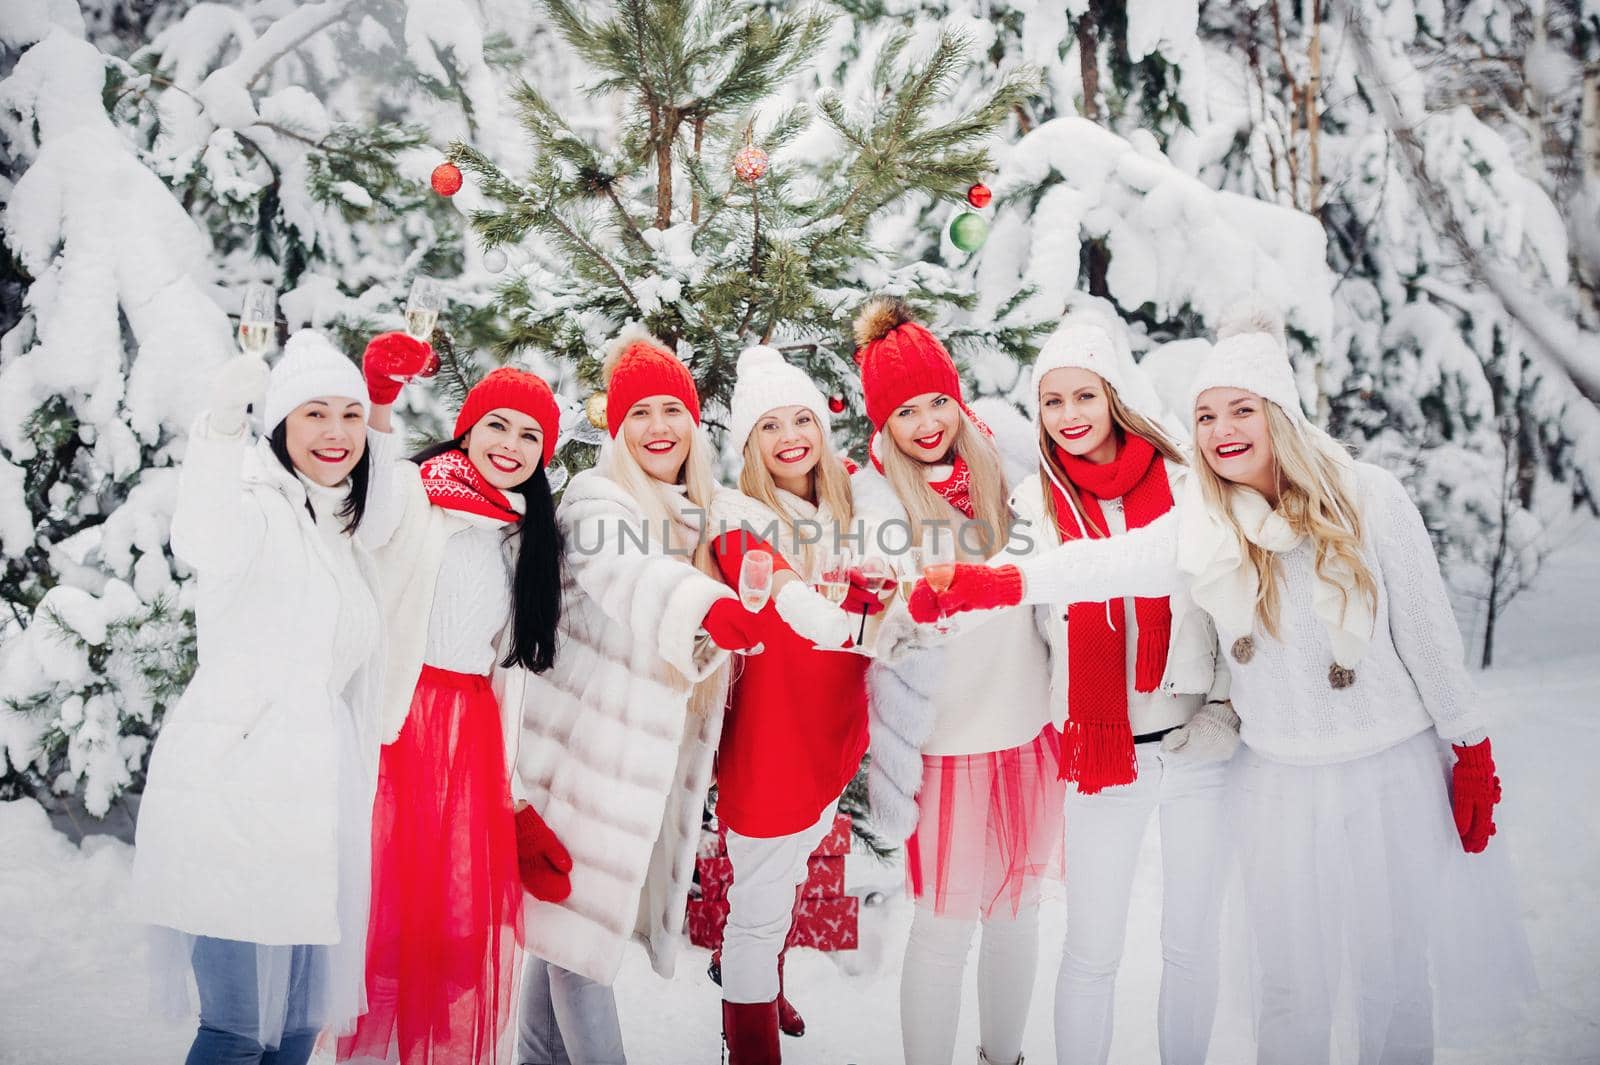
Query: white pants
{"type": "Point", "coordinates": [766, 874]}
{"type": "Point", "coordinates": [931, 978]}
{"type": "Point", "coordinates": [1104, 833]}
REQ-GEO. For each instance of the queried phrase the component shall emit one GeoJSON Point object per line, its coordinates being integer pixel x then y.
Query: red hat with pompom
{"type": "Point", "coordinates": [638, 366]}
{"type": "Point", "coordinates": [516, 390]}
{"type": "Point", "coordinates": [899, 359]}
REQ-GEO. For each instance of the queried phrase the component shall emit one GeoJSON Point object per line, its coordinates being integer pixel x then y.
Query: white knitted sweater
{"type": "Point", "coordinates": [1412, 675]}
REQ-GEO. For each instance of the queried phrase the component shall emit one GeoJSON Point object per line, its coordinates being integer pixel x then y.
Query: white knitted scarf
{"type": "Point", "coordinates": [1225, 585]}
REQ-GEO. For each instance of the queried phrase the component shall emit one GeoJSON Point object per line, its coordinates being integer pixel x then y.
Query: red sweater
{"type": "Point", "coordinates": [796, 727]}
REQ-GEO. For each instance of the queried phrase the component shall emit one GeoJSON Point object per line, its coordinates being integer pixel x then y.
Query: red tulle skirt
{"type": "Point", "coordinates": [989, 829]}
{"type": "Point", "coordinates": [446, 898]}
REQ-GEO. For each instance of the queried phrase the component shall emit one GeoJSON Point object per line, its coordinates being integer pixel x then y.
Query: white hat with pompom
{"type": "Point", "coordinates": [765, 382]}
{"type": "Point", "coordinates": [1250, 354]}
{"type": "Point", "coordinates": [1087, 341]}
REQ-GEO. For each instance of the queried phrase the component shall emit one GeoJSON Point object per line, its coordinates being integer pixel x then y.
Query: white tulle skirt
{"type": "Point", "coordinates": [261, 991]}
{"type": "Point", "coordinates": [1373, 936]}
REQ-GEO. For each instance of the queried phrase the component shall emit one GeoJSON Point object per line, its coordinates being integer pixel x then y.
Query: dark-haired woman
{"type": "Point", "coordinates": [254, 830]}
{"type": "Point", "coordinates": [472, 592]}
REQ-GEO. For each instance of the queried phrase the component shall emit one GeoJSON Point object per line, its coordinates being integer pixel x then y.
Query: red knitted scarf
{"type": "Point", "coordinates": [1097, 745]}
{"type": "Point", "coordinates": [454, 483]}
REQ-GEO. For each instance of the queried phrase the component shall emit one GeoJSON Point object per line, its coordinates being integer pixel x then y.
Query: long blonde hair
{"type": "Point", "coordinates": [1124, 420]}
{"type": "Point", "coordinates": [618, 462]}
{"type": "Point", "coordinates": [828, 484]}
{"type": "Point", "coordinates": [1315, 498]}
{"type": "Point", "coordinates": [926, 508]}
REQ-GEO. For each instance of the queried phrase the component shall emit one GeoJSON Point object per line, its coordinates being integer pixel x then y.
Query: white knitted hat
{"type": "Point", "coordinates": [1087, 345]}
{"type": "Point", "coordinates": [1250, 354]}
{"type": "Point", "coordinates": [766, 382]}
{"type": "Point", "coordinates": [311, 366]}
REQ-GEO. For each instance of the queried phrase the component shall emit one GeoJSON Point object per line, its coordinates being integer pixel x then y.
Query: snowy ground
{"type": "Point", "coordinates": [71, 989]}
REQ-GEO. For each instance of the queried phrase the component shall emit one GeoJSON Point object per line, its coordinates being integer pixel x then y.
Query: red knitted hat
{"type": "Point", "coordinates": [639, 366]}
{"type": "Point", "coordinates": [516, 390]}
{"type": "Point", "coordinates": [899, 359]}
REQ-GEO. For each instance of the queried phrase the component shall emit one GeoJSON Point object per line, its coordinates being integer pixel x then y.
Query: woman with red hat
{"type": "Point", "coordinates": [618, 737]}
{"type": "Point", "coordinates": [472, 574]}
{"type": "Point", "coordinates": [989, 803]}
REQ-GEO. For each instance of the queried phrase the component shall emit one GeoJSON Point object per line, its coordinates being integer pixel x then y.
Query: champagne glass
{"type": "Point", "coordinates": [755, 585]}
{"type": "Point", "coordinates": [939, 568]}
{"type": "Point", "coordinates": [257, 319]}
{"type": "Point", "coordinates": [833, 576]}
{"type": "Point", "coordinates": [423, 305]}
{"type": "Point", "coordinates": [875, 575]}
{"type": "Point", "coordinates": [908, 570]}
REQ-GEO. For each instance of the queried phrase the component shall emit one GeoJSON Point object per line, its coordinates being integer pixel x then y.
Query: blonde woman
{"type": "Point", "coordinates": [988, 808]}
{"type": "Point", "coordinates": [796, 727]}
{"type": "Point", "coordinates": [618, 737]}
{"type": "Point", "coordinates": [1147, 729]}
{"type": "Point", "coordinates": [1367, 779]}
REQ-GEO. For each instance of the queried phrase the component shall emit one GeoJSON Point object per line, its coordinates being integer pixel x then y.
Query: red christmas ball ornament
{"type": "Point", "coordinates": [979, 195]}
{"type": "Point", "coordinates": [750, 164]}
{"type": "Point", "coordinates": [446, 179]}
{"type": "Point", "coordinates": [836, 403]}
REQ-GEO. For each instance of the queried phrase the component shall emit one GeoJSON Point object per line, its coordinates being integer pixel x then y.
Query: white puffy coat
{"type": "Point", "coordinates": [611, 755]}
{"type": "Point", "coordinates": [237, 833]}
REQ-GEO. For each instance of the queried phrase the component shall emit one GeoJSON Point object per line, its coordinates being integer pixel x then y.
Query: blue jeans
{"type": "Point", "coordinates": [230, 1022]}
{"type": "Point", "coordinates": [566, 1019]}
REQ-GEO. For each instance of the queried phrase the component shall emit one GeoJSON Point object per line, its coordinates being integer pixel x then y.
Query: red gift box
{"type": "Point", "coordinates": [824, 878]}
{"type": "Point", "coordinates": [825, 918]}
{"type": "Point", "coordinates": [822, 924]}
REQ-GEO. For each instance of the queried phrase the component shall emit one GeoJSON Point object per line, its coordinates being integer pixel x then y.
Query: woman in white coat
{"type": "Point", "coordinates": [1365, 791]}
{"type": "Point", "coordinates": [1146, 725]}
{"type": "Point", "coordinates": [252, 843]}
{"type": "Point", "coordinates": [988, 829]}
{"type": "Point", "coordinates": [617, 739]}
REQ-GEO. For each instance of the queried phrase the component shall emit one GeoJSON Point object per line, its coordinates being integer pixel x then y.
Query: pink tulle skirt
{"type": "Point", "coordinates": [989, 829]}
{"type": "Point", "coordinates": [446, 896]}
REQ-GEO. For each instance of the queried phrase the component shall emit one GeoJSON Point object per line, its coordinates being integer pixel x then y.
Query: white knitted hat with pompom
{"type": "Point", "coordinates": [766, 382]}
{"type": "Point", "coordinates": [311, 367]}
{"type": "Point", "coordinates": [1250, 354]}
{"type": "Point", "coordinates": [1083, 342]}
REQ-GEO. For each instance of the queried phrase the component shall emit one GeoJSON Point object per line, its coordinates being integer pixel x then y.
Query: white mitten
{"type": "Point", "coordinates": [812, 616]}
{"type": "Point", "coordinates": [236, 385]}
{"type": "Point", "coordinates": [1212, 735]}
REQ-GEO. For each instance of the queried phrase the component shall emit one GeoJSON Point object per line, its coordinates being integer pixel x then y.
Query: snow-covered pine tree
{"type": "Point", "coordinates": [719, 214]}
{"type": "Point", "coordinates": [155, 159]}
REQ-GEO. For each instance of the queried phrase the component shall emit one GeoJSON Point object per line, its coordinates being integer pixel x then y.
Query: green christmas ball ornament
{"type": "Point", "coordinates": [968, 231]}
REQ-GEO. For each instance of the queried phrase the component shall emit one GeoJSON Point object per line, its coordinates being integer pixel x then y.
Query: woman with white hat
{"type": "Point", "coordinates": [796, 725]}
{"type": "Point", "coordinates": [254, 832]}
{"type": "Point", "coordinates": [1366, 791]}
{"type": "Point", "coordinates": [1146, 726]}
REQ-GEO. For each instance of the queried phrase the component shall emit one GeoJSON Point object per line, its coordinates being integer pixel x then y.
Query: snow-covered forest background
{"type": "Point", "coordinates": [1415, 184]}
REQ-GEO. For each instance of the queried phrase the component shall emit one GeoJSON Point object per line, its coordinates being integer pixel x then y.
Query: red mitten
{"type": "Point", "coordinates": [542, 861]}
{"type": "Point", "coordinates": [730, 626]}
{"type": "Point", "coordinates": [1474, 790]}
{"type": "Point", "coordinates": [860, 599]}
{"type": "Point", "coordinates": [923, 604]}
{"type": "Point", "coordinates": [390, 356]}
{"type": "Point", "coordinates": [976, 587]}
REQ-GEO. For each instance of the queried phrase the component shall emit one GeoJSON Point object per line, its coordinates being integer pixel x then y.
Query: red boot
{"type": "Point", "coordinates": [789, 1020]}
{"type": "Point", "coordinates": [751, 1031]}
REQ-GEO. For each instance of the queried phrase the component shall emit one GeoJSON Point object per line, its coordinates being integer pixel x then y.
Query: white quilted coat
{"type": "Point", "coordinates": [611, 754]}
{"type": "Point", "coordinates": [237, 829]}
